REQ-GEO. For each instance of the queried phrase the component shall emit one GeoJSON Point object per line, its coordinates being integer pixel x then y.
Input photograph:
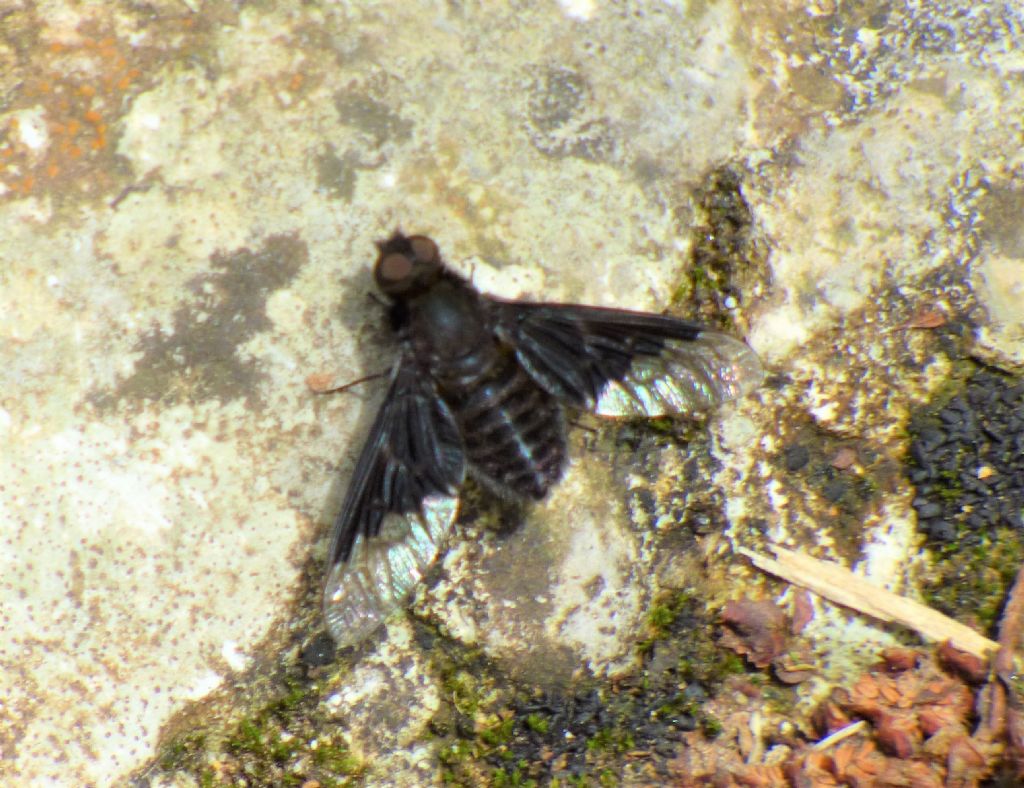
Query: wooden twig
{"type": "Point", "coordinates": [843, 587]}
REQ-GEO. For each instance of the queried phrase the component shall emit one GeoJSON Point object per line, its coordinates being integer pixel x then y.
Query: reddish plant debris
{"type": "Point", "coordinates": [1002, 701]}
{"type": "Point", "coordinates": [916, 719]}
{"type": "Point", "coordinates": [747, 688]}
{"type": "Point", "coordinates": [968, 666]}
{"type": "Point", "coordinates": [844, 458]}
{"type": "Point", "coordinates": [915, 730]}
{"type": "Point", "coordinates": [755, 628]}
{"type": "Point", "coordinates": [759, 630]}
{"type": "Point", "coordinates": [793, 667]}
{"type": "Point", "coordinates": [897, 660]}
{"type": "Point", "coordinates": [927, 317]}
{"type": "Point", "coordinates": [894, 705]}
{"type": "Point", "coordinates": [829, 718]}
{"type": "Point", "coordinates": [803, 612]}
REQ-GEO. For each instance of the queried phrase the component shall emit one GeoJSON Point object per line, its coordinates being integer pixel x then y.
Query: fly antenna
{"type": "Point", "coordinates": [320, 384]}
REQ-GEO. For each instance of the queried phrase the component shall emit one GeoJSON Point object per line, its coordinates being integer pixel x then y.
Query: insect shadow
{"type": "Point", "coordinates": [479, 390]}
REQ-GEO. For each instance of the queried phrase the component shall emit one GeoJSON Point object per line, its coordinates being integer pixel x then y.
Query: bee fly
{"type": "Point", "coordinates": [479, 389]}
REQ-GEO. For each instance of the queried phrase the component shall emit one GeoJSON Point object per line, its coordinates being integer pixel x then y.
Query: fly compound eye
{"type": "Point", "coordinates": [423, 249]}
{"type": "Point", "coordinates": [394, 270]}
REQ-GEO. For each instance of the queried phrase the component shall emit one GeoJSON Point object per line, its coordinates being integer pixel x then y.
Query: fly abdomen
{"type": "Point", "coordinates": [513, 430]}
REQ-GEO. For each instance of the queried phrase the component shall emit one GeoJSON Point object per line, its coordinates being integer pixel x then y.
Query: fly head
{"type": "Point", "coordinates": [407, 266]}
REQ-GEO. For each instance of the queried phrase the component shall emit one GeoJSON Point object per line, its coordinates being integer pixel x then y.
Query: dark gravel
{"type": "Point", "coordinates": [967, 460]}
{"type": "Point", "coordinates": [318, 652]}
{"type": "Point", "coordinates": [797, 457]}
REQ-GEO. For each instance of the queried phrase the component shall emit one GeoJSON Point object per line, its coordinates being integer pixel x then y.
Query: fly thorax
{"type": "Point", "coordinates": [447, 324]}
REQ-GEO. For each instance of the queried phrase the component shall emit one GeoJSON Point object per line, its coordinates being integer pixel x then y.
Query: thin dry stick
{"type": "Point", "coordinates": [843, 587]}
{"type": "Point", "coordinates": [840, 735]}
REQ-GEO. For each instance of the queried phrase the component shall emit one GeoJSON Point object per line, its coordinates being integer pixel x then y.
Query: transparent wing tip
{"type": "Point", "coordinates": [688, 376]}
{"type": "Point", "coordinates": [381, 573]}
{"type": "Point", "coordinates": [351, 611]}
{"type": "Point", "coordinates": [739, 370]}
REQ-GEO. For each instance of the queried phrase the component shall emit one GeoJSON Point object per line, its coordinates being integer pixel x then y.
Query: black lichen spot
{"type": "Point", "coordinates": [967, 467]}
{"type": "Point", "coordinates": [1001, 209]}
{"type": "Point", "coordinates": [197, 360]}
{"type": "Point", "coordinates": [561, 119]}
{"type": "Point", "coordinates": [497, 731]}
{"type": "Point", "coordinates": [729, 259]}
{"type": "Point", "coordinates": [584, 733]}
{"type": "Point", "coordinates": [336, 175]}
{"type": "Point", "coordinates": [796, 457]}
{"type": "Point", "coordinates": [967, 460]}
{"type": "Point", "coordinates": [833, 490]}
{"type": "Point", "coordinates": [372, 117]}
{"type": "Point", "coordinates": [827, 477]}
{"type": "Point", "coordinates": [556, 97]}
{"type": "Point", "coordinates": [319, 651]}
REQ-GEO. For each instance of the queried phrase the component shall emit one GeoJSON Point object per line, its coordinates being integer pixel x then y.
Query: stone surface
{"type": "Point", "coordinates": [189, 194]}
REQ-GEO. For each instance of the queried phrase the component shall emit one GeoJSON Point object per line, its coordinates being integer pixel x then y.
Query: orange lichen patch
{"type": "Point", "coordinates": [80, 92]}
{"type": "Point", "coordinates": [125, 82]}
{"type": "Point", "coordinates": [320, 382]}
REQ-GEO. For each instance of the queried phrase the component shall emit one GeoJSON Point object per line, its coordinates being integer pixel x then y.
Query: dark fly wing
{"type": "Point", "coordinates": [400, 504]}
{"type": "Point", "coordinates": [619, 363]}
{"type": "Point", "coordinates": [414, 451]}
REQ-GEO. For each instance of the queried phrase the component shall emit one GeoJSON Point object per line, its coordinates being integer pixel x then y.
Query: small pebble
{"type": "Point", "coordinates": [796, 458]}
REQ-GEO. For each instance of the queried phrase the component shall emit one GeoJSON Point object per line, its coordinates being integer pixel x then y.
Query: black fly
{"type": "Point", "coordinates": [479, 389]}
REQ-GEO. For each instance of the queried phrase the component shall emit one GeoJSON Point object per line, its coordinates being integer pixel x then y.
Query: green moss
{"type": "Point", "coordinates": [970, 582]}
{"type": "Point", "coordinates": [335, 759]}
{"type": "Point", "coordinates": [537, 723]}
{"type": "Point", "coordinates": [498, 733]}
{"type": "Point", "coordinates": [456, 752]}
{"type": "Point", "coordinates": [506, 779]}
{"type": "Point", "coordinates": [662, 615]}
{"type": "Point", "coordinates": [611, 740]}
{"type": "Point", "coordinates": [710, 726]}
{"type": "Point", "coordinates": [280, 743]}
{"type": "Point", "coordinates": [705, 663]}
{"type": "Point", "coordinates": [475, 720]}
{"type": "Point", "coordinates": [495, 731]}
{"type": "Point", "coordinates": [726, 257]}
{"type": "Point", "coordinates": [180, 751]}
{"type": "Point", "coordinates": [462, 688]}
